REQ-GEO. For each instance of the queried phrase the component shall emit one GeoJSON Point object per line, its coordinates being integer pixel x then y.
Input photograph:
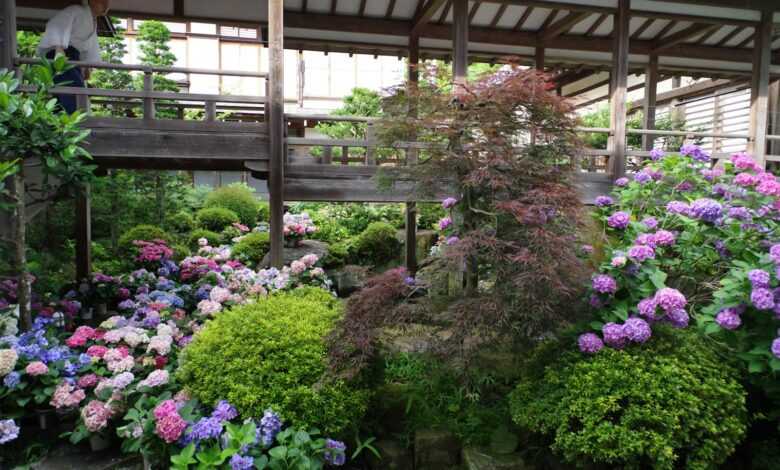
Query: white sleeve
{"type": "Point", "coordinates": [93, 51]}
{"type": "Point", "coordinates": [59, 28]}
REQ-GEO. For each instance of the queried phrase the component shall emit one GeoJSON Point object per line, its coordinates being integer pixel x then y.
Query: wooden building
{"type": "Point", "coordinates": [725, 40]}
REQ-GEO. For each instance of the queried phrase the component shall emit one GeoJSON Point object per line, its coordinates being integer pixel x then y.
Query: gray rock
{"type": "Point", "coordinates": [306, 247]}
{"type": "Point", "coordinates": [394, 456]}
{"type": "Point", "coordinates": [349, 279]}
{"type": "Point", "coordinates": [481, 459]}
{"type": "Point", "coordinates": [412, 338]}
{"type": "Point", "coordinates": [435, 450]}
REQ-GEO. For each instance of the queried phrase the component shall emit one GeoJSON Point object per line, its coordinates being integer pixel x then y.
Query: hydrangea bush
{"type": "Point", "coordinates": [688, 241]}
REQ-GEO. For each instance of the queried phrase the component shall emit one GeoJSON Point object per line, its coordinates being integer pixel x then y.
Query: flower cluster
{"type": "Point", "coordinates": [298, 226]}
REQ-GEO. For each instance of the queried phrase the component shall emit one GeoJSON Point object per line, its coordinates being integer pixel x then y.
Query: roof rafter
{"type": "Point", "coordinates": [642, 28]}
{"type": "Point", "coordinates": [498, 15]}
{"type": "Point", "coordinates": [599, 21]}
{"type": "Point", "coordinates": [561, 26]}
{"type": "Point", "coordinates": [445, 11]}
{"type": "Point", "coordinates": [523, 18]}
{"type": "Point", "coordinates": [362, 8]}
{"type": "Point", "coordinates": [424, 15]}
{"type": "Point", "coordinates": [390, 9]}
{"type": "Point", "coordinates": [692, 31]}
{"type": "Point", "coordinates": [473, 11]}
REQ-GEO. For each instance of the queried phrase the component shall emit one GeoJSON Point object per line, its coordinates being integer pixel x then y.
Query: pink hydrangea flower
{"type": "Point", "coordinates": [66, 396]}
{"type": "Point", "coordinates": [96, 415]}
{"type": "Point", "coordinates": [219, 294]}
{"type": "Point", "coordinates": [165, 408]}
{"type": "Point", "coordinates": [297, 267]}
{"type": "Point", "coordinates": [37, 368]}
{"type": "Point", "coordinates": [88, 381]}
{"type": "Point", "coordinates": [170, 427]}
{"type": "Point", "coordinates": [209, 307]}
{"type": "Point", "coordinates": [97, 351]}
{"type": "Point", "coordinates": [310, 260]}
{"type": "Point", "coordinates": [155, 379]}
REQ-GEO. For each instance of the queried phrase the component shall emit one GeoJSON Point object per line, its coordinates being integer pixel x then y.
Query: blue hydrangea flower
{"type": "Point", "coordinates": [270, 425]}
{"type": "Point", "coordinates": [12, 380]}
{"type": "Point", "coordinates": [334, 452]}
{"type": "Point", "coordinates": [8, 431]}
{"type": "Point", "coordinates": [224, 411]}
{"type": "Point", "coordinates": [238, 462]}
{"type": "Point", "coordinates": [206, 428]}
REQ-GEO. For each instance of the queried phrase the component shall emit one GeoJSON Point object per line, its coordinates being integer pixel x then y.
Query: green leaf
{"type": "Point", "coordinates": [279, 452]}
{"type": "Point", "coordinates": [658, 278]}
{"type": "Point", "coordinates": [756, 367]}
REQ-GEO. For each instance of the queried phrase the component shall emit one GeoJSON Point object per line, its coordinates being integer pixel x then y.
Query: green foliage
{"type": "Point", "coordinates": [153, 39]}
{"type": "Point", "coordinates": [216, 218]}
{"type": "Point", "coordinates": [182, 222]}
{"type": "Point", "coordinates": [252, 248]}
{"type": "Point", "coordinates": [27, 43]}
{"type": "Point", "coordinates": [270, 354]}
{"type": "Point", "coordinates": [213, 238]}
{"type": "Point", "coordinates": [113, 51]}
{"type": "Point", "coordinates": [338, 255]}
{"type": "Point", "coordinates": [263, 212]}
{"type": "Point", "coordinates": [600, 118]}
{"type": "Point", "coordinates": [237, 197]}
{"type": "Point", "coordinates": [143, 233]}
{"type": "Point", "coordinates": [429, 214]}
{"type": "Point", "coordinates": [378, 244]}
{"type": "Point", "coordinates": [361, 102]}
{"type": "Point", "coordinates": [670, 403]}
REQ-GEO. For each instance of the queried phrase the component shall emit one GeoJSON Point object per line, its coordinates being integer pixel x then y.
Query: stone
{"type": "Point", "coordinates": [306, 247]}
{"type": "Point", "coordinates": [436, 450]}
{"type": "Point", "coordinates": [503, 441]}
{"type": "Point", "coordinates": [412, 338]}
{"type": "Point", "coordinates": [475, 458]}
{"type": "Point", "coordinates": [394, 456]}
{"type": "Point", "coordinates": [389, 405]}
{"type": "Point", "coordinates": [349, 279]}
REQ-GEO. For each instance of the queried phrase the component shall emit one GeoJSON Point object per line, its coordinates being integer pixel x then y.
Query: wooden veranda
{"type": "Point", "coordinates": [726, 40]}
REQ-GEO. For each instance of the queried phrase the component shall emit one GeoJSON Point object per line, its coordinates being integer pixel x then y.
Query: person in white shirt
{"type": "Point", "coordinates": [73, 32]}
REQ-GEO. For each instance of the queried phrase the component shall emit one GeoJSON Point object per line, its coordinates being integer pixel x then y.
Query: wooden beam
{"type": "Point", "coordinates": [649, 109]}
{"type": "Point", "coordinates": [7, 34]}
{"type": "Point", "coordinates": [362, 9]}
{"type": "Point", "coordinates": [562, 26]}
{"type": "Point", "coordinates": [304, 6]}
{"type": "Point", "coordinates": [523, 18]}
{"type": "Point", "coordinates": [276, 128]}
{"type": "Point", "coordinates": [747, 41]}
{"type": "Point", "coordinates": [618, 93]}
{"type": "Point", "coordinates": [178, 8]}
{"type": "Point", "coordinates": [539, 59]}
{"type": "Point", "coordinates": [333, 6]}
{"type": "Point", "coordinates": [697, 89]}
{"type": "Point", "coordinates": [460, 41]}
{"type": "Point", "coordinates": [599, 21]}
{"type": "Point", "coordinates": [473, 11]}
{"type": "Point", "coordinates": [686, 34]}
{"type": "Point", "coordinates": [83, 234]}
{"type": "Point", "coordinates": [759, 97]}
{"type": "Point", "coordinates": [668, 27]}
{"type": "Point", "coordinates": [734, 33]}
{"type": "Point", "coordinates": [444, 12]}
{"type": "Point", "coordinates": [410, 256]}
{"type": "Point", "coordinates": [548, 20]}
{"type": "Point", "coordinates": [390, 9]}
{"type": "Point", "coordinates": [774, 116]}
{"type": "Point", "coordinates": [424, 15]}
{"type": "Point", "coordinates": [498, 15]}
{"type": "Point", "coordinates": [642, 28]}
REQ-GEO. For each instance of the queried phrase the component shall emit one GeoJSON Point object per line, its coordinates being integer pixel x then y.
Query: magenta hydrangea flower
{"type": "Point", "coordinates": [604, 284]}
{"type": "Point", "coordinates": [670, 299]}
{"type": "Point", "coordinates": [677, 207]}
{"type": "Point", "coordinates": [650, 222]}
{"type": "Point", "coordinates": [640, 253]}
{"type": "Point", "coordinates": [619, 220]}
{"type": "Point", "coordinates": [745, 179]}
{"type": "Point", "coordinates": [647, 308]}
{"type": "Point", "coordinates": [776, 347]}
{"type": "Point", "coordinates": [774, 253]}
{"type": "Point", "coordinates": [637, 330]}
{"type": "Point", "coordinates": [742, 161]}
{"type": "Point", "coordinates": [678, 318]}
{"type": "Point", "coordinates": [590, 343]}
{"type": "Point", "coordinates": [445, 223]}
{"type": "Point", "coordinates": [728, 318]}
{"type": "Point", "coordinates": [614, 335]}
{"type": "Point", "coordinates": [762, 298]}
{"type": "Point", "coordinates": [769, 188]}
{"type": "Point", "coordinates": [706, 209]}
{"type": "Point", "coordinates": [664, 238]}
{"type": "Point", "coordinates": [759, 278]}
{"type": "Point", "coordinates": [604, 201]}
{"type": "Point", "coordinates": [449, 203]}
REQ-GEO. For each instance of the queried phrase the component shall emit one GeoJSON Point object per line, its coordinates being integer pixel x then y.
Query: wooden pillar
{"type": "Point", "coordinates": [410, 255]}
{"type": "Point", "coordinates": [539, 59]}
{"type": "Point", "coordinates": [651, 91]}
{"type": "Point", "coordinates": [759, 98]}
{"type": "Point", "coordinates": [460, 41]}
{"type": "Point", "coordinates": [774, 116]}
{"type": "Point", "coordinates": [7, 34]}
{"type": "Point", "coordinates": [83, 234]}
{"type": "Point", "coordinates": [276, 125]}
{"type": "Point", "coordinates": [617, 99]}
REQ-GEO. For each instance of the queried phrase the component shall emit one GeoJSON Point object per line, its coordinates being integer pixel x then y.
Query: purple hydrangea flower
{"type": "Point", "coordinates": [205, 428]}
{"type": "Point", "coordinates": [775, 350]}
{"type": "Point", "coordinates": [614, 335]}
{"type": "Point", "coordinates": [452, 240]}
{"type": "Point", "coordinates": [678, 318]}
{"type": "Point", "coordinates": [449, 203]}
{"type": "Point", "coordinates": [334, 452]}
{"type": "Point", "coordinates": [762, 298]}
{"type": "Point", "coordinates": [677, 207]}
{"type": "Point", "coordinates": [604, 284]}
{"type": "Point", "coordinates": [645, 239]}
{"type": "Point", "coordinates": [739, 213]}
{"type": "Point", "coordinates": [707, 210]}
{"type": "Point", "coordinates": [590, 343]}
{"type": "Point", "coordinates": [685, 186]}
{"type": "Point", "coordinates": [774, 253]}
{"type": "Point", "coordinates": [621, 182]}
{"type": "Point", "coordinates": [657, 154]}
{"type": "Point", "coordinates": [695, 152]}
{"type": "Point", "coordinates": [728, 319]}
{"type": "Point", "coordinates": [670, 299]}
{"type": "Point", "coordinates": [647, 308]}
{"type": "Point", "coordinates": [642, 177]}
{"type": "Point", "coordinates": [650, 222]}
{"type": "Point", "coordinates": [664, 238]}
{"type": "Point", "coordinates": [640, 253]}
{"type": "Point", "coordinates": [224, 411]}
{"type": "Point", "coordinates": [12, 380]}
{"type": "Point", "coordinates": [445, 223]}
{"type": "Point", "coordinates": [604, 201]}
{"type": "Point", "coordinates": [619, 220]}
{"type": "Point", "coordinates": [637, 330]}
{"type": "Point", "coordinates": [270, 425]}
{"type": "Point", "coordinates": [722, 249]}
{"type": "Point", "coordinates": [759, 278]}
{"type": "Point", "coordinates": [8, 431]}
{"type": "Point", "coordinates": [238, 462]}
{"type": "Point", "coordinates": [596, 302]}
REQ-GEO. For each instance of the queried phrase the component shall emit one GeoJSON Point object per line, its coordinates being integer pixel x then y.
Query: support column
{"type": "Point", "coordinates": [774, 116]}
{"type": "Point", "coordinates": [617, 99]}
{"type": "Point", "coordinates": [410, 256]}
{"type": "Point", "coordinates": [759, 98]}
{"type": "Point", "coordinates": [539, 59]}
{"type": "Point", "coordinates": [7, 34]}
{"type": "Point", "coordinates": [651, 91]}
{"type": "Point", "coordinates": [460, 41]}
{"type": "Point", "coordinates": [276, 127]}
{"type": "Point", "coordinates": [83, 234]}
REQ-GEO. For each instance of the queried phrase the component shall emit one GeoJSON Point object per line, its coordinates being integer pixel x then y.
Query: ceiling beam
{"type": "Point", "coordinates": [523, 18]}
{"type": "Point", "coordinates": [562, 26]}
{"type": "Point", "coordinates": [473, 11]}
{"type": "Point", "coordinates": [691, 32]}
{"type": "Point", "coordinates": [424, 15]}
{"type": "Point", "coordinates": [445, 11]}
{"type": "Point", "coordinates": [390, 9]}
{"type": "Point", "coordinates": [498, 15]}
{"type": "Point", "coordinates": [642, 28]}
{"type": "Point", "coordinates": [599, 21]}
{"type": "Point", "coordinates": [362, 8]}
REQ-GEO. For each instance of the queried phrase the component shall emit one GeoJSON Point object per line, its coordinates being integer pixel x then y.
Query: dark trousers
{"type": "Point", "coordinates": [72, 77]}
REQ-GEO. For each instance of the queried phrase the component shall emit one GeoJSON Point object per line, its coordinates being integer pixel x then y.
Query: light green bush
{"type": "Point", "coordinates": [377, 244]}
{"type": "Point", "coordinates": [181, 222]}
{"type": "Point", "coordinates": [216, 219]}
{"type": "Point", "coordinates": [670, 403]}
{"type": "Point", "coordinates": [239, 198]}
{"type": "Point", "coordinates": [263, 212]}
{"type": "Point", "coordinates": [212, 237]}
{"type": "Point", "coordinates": [271, 354]}
{"type": "Point", "coordinates": [252, 248]}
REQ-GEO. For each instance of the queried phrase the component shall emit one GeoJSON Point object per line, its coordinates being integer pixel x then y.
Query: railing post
{"type": "Point", "coordinates": [344, 155]}
{"type": "Point", "coordinates": [276, 129]}
{"type": "Point", "coordinates": [759, 96]}
{"type": "Point", "coordinates": [149, 112]}
{"type": "Point", "coordinates": [211, 111]}
{"type": "Point", "coordinates": [371, 147]}
{"type": "Point", "coordinates": [617, 99]}
{"type": "Point", "coordinates": [327, 155]}
{"type": "Point", "coordinates": [7, 34]}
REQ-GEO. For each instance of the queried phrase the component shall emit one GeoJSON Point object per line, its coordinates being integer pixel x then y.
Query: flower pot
{"type": "Point", "coordinates": [87, 314]}
{"type": "Point", "coordinates": [98, 442]}
{"type": "Point", "coordinates": [101, 311]}
{"type": "Point", "coordinates": [44, 418]}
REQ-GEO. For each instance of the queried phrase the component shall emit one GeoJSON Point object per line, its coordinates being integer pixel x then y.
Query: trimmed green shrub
{"type": "Point", "coordinates": [216, 219]}
{"type": "Point", "coordinates": [271, 354]}
{"type": "Point", "coordinates": [252, 248]}
{"type": "Point", "coordinates": [239, 198]}
{"type": "Point", "coordinates": [180, 252]}
{"type": "Point", "coordinates": [377, 244]}
{"type": "Point", "coordinates": [143, 233]}
{"type": "Point", "coordinates": [227, 235]}
{"type": "Point", "coordinates": [338, 255]}
{"type": "Point", "coordinates": [181, 222]}
{"type": "Point", "coordinates": [263, 212]}
{"type": "Point", "coordinates": [213, 237]}
{"type": "Point", "coordinates": [670, 403]}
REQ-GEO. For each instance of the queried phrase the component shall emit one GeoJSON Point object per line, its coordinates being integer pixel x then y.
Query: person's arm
{"type": "Point", "coordinates": [59, 29]}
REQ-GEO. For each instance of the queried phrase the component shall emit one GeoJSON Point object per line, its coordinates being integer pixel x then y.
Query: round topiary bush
{"type": "Point", "coordinates": [263, 212]}
{"type": "Point", "coordinates": [252, 248]}
{"type": "Point", "coordinates": [670, 403]}
{"type": "Point", "coordinates": [271, 354]}
{"type": "Point", "coordinates": [143, 233]}
{"type": "Point", "coordinates": [181, 222]}
{"type": "Point", "coordinates": [216, 218]}
{"type": "Point", "coordinates": [238, 198]}
{"type": "Point", "coordinates": [212, 237]}
{"type": "Point", "coordinates": [377, 244]}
